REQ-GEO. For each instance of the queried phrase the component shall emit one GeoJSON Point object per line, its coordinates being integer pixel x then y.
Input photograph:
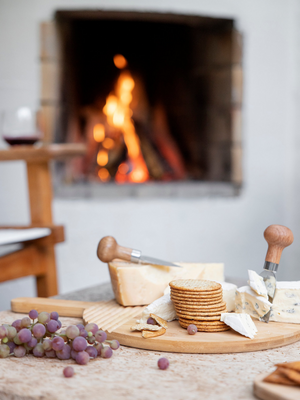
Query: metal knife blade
{"type": "Point", "coordinates": [156, 261]}
{"type": "Point", "coordinates": [269, 276]}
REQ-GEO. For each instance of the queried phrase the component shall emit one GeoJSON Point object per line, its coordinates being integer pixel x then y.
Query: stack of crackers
{"type": "Point", "coordinates": [200, 303]}
{"type": "Point", "coordinates": [285, 374]}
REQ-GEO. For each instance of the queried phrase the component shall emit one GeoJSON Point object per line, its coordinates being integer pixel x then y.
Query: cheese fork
{"type": "Point", "coordinates": [108, 250]}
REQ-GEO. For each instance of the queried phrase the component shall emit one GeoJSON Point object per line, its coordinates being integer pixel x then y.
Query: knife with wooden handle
{"type": "Point", "coordinates": [109, 249]}
{"type": "Point", "coordinates": [278, 238]}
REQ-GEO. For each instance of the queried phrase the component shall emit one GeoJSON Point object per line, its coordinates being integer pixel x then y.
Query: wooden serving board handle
{"type": "Point", "coordinates": [108, 250]}
{"type": "Point", "coordinates": [278, 238]}
{"type": "Point", "coordinates": [65, 308]}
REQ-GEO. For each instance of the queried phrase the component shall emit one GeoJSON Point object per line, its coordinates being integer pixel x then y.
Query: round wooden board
{"type": "Point", "coordinates": [176, 339]}
{"type": "Point", "coordinates": [273, 391]}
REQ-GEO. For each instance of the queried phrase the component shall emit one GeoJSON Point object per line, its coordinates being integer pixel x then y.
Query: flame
{"type": "Point", "coordinates": [99, 132]}
{"type": "Point", "coordinates": [108, 143]}
{"type": "Point", "coordinates": [102, 158]}
{"type": "Point", "coordinates": [104, 175]}
{"type": "Point", "coordinates": [120, 61]}
{"type": "Point", "coordinates": [118, 112]}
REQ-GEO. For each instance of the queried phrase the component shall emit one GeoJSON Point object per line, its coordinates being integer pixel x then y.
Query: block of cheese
{"type": "Point", "coordinates": [162, 307]}
{"type": "Point", "coordinates": [135, 285]}
{"type": "Point", "coordinates": [249, 302]}
{"type": "Point", "coordinates": [241, 323]}
{"type": "Point", "coordinates": [286, 303]}
{"type": "Point", "coordinates": [229, 290]}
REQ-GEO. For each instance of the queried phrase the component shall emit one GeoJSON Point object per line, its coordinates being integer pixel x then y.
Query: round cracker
{"type": "Point", "coordinates": [197, 296]}
{"type": "Point", "coordinates": [205, 329]}
{"type": "Point", "coordinates": [197, 304]}
{"type": "Point", "coordinates": [195, 293]}
{"type": "Point", "coordinates": [191, 318]}
{"type": "Point", "coordinates": [197, 285]}
{"type": "Point", "coordinates": [201, 308]}
{"type": "Point", "coordinates": [199, 313]}
{"type": "Point", "coordinates": [217, 300]}
{"type": "Point", "coordinates": [204, 323]}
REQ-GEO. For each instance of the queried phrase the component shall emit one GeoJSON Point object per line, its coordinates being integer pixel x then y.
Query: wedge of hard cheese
{"type": "Point", "coordinates": [135, 285]}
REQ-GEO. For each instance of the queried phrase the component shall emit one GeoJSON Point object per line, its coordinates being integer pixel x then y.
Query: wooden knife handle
{"type": "Point", "coordinates": [278, 237]}
{"type": "Point", "coordinates": [108, 250]}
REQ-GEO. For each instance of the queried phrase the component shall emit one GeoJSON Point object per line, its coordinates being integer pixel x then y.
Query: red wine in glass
{"type": "Point", "coordinates": [21, 140]}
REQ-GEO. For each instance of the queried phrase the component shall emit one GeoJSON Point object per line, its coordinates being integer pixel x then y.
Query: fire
{"type": "Point", "coordinates": [120, 61]}
{"type": "Point", "coordinates": [118, 112]}
{"type": "Point", "coordinates": [104, 175]}
{"type": "Point", "coordinates": [99, 132]}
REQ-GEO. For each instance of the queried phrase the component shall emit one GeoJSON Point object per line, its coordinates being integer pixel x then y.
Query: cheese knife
{"type": "Point", "coordinates": [108, 250]}
{"type": "Point", "coordinates": [278, 238]}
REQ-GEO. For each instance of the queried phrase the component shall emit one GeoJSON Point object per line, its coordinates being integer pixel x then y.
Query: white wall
{"type": "Point", "coordinates": [228, 230]}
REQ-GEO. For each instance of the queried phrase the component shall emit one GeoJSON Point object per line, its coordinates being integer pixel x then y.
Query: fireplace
{"type": "Point", "coordinates": [157, 98]}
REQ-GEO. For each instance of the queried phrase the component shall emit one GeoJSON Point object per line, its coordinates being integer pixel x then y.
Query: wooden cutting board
{"type": "Point", "coordinates": [116, 320]}
{"type": "Point", "coordinates": [273, 391]}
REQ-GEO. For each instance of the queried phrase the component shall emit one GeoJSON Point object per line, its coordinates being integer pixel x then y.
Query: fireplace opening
{"type": "Point", "coordinates": [156, 97]}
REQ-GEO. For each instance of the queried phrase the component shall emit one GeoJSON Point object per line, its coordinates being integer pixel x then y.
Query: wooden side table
{"type": "Point", "coordinates": [37, 257]}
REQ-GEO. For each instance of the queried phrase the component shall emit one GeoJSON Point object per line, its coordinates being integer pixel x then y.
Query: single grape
{"type": "Point", "coordinates": [79, 344]}
{"type": "Point", "coordinates": [114, 344]}
{"type": "Point", "coordinates": [90, 334]}
{"type": "Point", "coordinates": [65, 353]}
{"type": "Point", "coordinates": [25, 322]}
{"type": "Point", "coordinates": [17, 340]}
{"type": "Point", "coordinates": [11, 332]}
{"type": "Point", "coordinates": [17, 324]}
{"type": "Point", "coordinates": [32, 342]}
{"type": "Point", "coordinates": [92, 352]}
{"type": "Point", "coordinates": [82, 358]}
{"type": "Point", "coordinates": [100, 336]}
{"type": "Point", "coordinates": [3, 332]}
{"type": "Point", "coordinates": [5, 340]}
{"type": "Point", "coordinates": [39, 330]}
{"type": "Point", "coordinates": [72, 331]}
{"type": "Point", "coordinates": [80, 326]}
{"type": "Point", "coordinates": [106, 352]}
{"type": "Point", "coordinates": [11, 346]}
{"type": "Point", "coordinates": [163, 363]}
{"type": "Point", "coordinates": [44, 317]}
{"type": "Point", "coordinates": [68, 372]}
{"type": "Point", "coordinates": [58, 343]}
{"type": "Point", "coordinates": [33, 314]}
{"type": "Point", "coordinates": [59, 324]}
{"type": "Point", "coordinates": [74, 354]}
{"type": "Point", "coordinates": [24, 335]}
{"type": "Point", "coordinates": [192, 329]}
{"type": "Point", "coordinates": [52, 326]}
{"type": "Point", "coordinates": [99, 347]}
{"type": "Point", "coordinates": [92, 328]}
{"type": "Point", "coordinates": [151, 321]}
{"type": "Point", "coordinates": [54, 315]}
{"type": "Point", "coordinates": [38, 350]}
{"type": "Point", "coordinates": [83, 333]}
{"type": "Point", "coordinates": [91, 340]}
{"type": "Point", "coordinates": [50, 354]}
{"type": "Point", "coordinates": [4, 350]}
{"type": "Point", "coordinates": [47, 344]}
{"type": "Point", "coordinates": [19, 351]}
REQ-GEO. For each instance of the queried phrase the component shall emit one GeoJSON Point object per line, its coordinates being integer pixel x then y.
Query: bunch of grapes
{"type": "Point", "coordinates": [40, 334]}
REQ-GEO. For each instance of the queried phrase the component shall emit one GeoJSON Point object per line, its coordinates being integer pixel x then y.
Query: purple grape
{"type": "Point", "coordinates": [91, 340]}
{"type": "Point", "coordinates": [114, 344]}
{"type": "Point", "coordinates": [11, 332]}
{"type": "Point", "coordinates": [4, 350]}
{"type": "Point", "coordinates": [92, 328]}
{"type": "Point", "coordinates": [44, 317]}
{"type": "Point", "coordinates": [74, 354]}
{"type": "Point", "coordinates": [59, 324]}
{"type": "Point", "coordinates": [25, 322]}
{"type": "Point", "coordinates": [52, 326]}
{"type": "Point", "coordinates": [17, 340]}
{"type": "Point", "coordinates": [92, 352]}
{"type": "Point", "coordinates": [163, 363]}
{"type": "Point", "coordinates": [82, 358]}
{"type": "Point", "coordinates": [68, 372]}
{"type": "Point", "coordinates": [33, 314]}
{"type": "Point", "coordinates": [24, 335]}
{"type": "Point", "coordinates": [19, 351]}
{"type": "Point", "coordinates": [32, 342]}
{"type": "Point", "coordinates": [58, 343]}
{"type": "Point", "coordinates": [39, 330]}
{"type": "Point", "coordinates": [54, 315]}
{"type": "Point", "coordinates": [151, 321]}
{"type": "Point", "coordinates": [83, 333]}
{"type": "Point", "coordinates": [106, 352]}
{"type": "Point", "coordinates": [99, 347]}
{"type": "Point", "coordinates": [38, 350]}
{"type": "Point", "coordinates": [47, 344]}
{"type": "Point", "coordinates": [11, 346]}
{"type": "Point", "coordinates": [72, 331]}
{"type": "Point", "coordinates": [192, 329]}
{"type": "Point", "coordinates": [50, 354]}
{"type": "Point", "coordinates": [80, 326]}
{"type": "Point", "coordinates": [65, 353]}
{"type": "Point", "coordinates": [3, 332]}
{"type": "Point", "coordinates": [79, 344]}
{"type": "Point", "coordinates": [17, 324]}
{"type": "Point", "coordinates": [100, 336]}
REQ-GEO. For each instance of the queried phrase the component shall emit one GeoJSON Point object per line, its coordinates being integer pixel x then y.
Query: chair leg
{"type": "Point", "coordinates": [47, 283]}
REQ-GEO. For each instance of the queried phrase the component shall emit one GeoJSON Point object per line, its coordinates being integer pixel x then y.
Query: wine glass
{"type": "Point", "coordinates": [20, 126]}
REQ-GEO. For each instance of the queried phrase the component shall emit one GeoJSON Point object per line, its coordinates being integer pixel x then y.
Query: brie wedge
{"type": "Point", "coordinates": [286, 303]}
{"type": "Point", "coordinates": [249, 302]}
{"type": "Point", "coordinates": [257, 284]}
{"type": "Point", "coordinates": [241, 323]}
{"type": "Point", "coordinates": [162, 307]}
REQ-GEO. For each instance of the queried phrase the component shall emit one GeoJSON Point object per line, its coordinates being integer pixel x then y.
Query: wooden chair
{"type": "Point", "coordinates": [37, 257]}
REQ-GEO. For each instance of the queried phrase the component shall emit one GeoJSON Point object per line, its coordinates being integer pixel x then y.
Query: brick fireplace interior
{"type": "Point", "coordinates": [156, 97]}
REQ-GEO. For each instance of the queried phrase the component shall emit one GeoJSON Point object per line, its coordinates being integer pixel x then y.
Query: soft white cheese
{"type": "Point", "coordinates": [257, 284]}
{"type": "Point", "coordinates": [241, 323]}
{"type": "Point", "coordinates": [247, 301]}
{"type": "Point", "coordinates": [229, 290]}
{"type": "Point", "coordinates": [162, 307]}
{"type": "Point", "coordinates": [286, 303]}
